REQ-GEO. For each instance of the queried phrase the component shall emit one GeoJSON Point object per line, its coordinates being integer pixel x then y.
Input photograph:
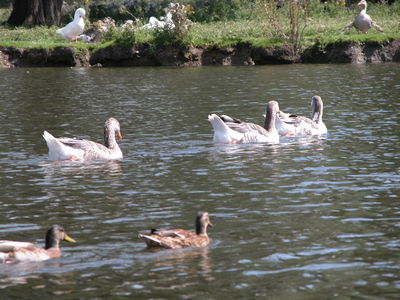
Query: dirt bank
{"type": "Point", "coordinates": [240, 54]}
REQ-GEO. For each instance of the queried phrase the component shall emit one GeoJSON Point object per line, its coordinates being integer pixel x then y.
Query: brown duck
{"type": "Point", "coordinates": [12, 251]}
{"type": "Point", "coordinates": [180, 238]}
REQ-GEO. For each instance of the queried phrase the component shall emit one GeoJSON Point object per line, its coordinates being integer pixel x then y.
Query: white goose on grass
{"type": "Point", "coordinates": [363, 22]}
{"type": "Point", "coordinates": [232, 131]}
{"type": "Point", "coordinates": [75, 28]}
{"type": "Point", "coordinates": [71, 149]}
{"type": "Point", "coordinates": [292, 125]}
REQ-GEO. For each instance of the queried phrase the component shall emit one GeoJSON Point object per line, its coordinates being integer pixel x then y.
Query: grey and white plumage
{"type": "Point", "coordinates": [232, 130]}
{"type": "Point", "coordinates": [363, 22]}
{"type": "Point", "coordinates": [80, 149]}
{"type": "Point", "coordinates": [292, 125]}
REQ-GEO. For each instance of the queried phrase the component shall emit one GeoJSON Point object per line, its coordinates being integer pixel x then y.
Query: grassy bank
{"type": "Point", "coordinates": [322, 24]}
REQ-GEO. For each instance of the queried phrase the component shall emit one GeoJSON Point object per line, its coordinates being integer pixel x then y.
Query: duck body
{"type": "Point", "coordinates": [75, 28]}
{"type": "Point", "coordinates": [13, 251]}
{"type": "Point", "coordinates": [292, 125]}
{"type": "Point", "coordinates": [80, 149]}
{"type": "Point", "coordinates": [180, 238]}
{"type": "Point", "coordinates": [231, 130]}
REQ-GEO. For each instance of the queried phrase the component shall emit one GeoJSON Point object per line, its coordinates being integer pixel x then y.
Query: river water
{"type": "Point", "coordinates": [309, 218]}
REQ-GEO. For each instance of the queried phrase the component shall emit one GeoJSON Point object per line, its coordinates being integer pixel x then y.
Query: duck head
{"type": "Point", "coordinates": [55, 234]}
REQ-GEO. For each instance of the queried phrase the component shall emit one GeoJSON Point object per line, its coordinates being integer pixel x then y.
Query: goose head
{"type": "Point", "coordinates": [112, 131]}
{"type": "Point", "coordinates": [202, 222]}
{"type": "Point", "coordinates": [79, 13]}
{"type": "Point", "coordinates": [362, 4]}
{"type": "Point", "coordinates": [55, 234]}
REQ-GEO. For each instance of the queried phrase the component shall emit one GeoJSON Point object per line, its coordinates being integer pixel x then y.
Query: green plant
{"type": "Point", "coordinates": [120, 35]}
{"type": "Point", "coordinates": [285, 23]}
{"type": "Point", "coordinates": [177, 26]}
{"type": "Point", "coordinates": [298, 12]}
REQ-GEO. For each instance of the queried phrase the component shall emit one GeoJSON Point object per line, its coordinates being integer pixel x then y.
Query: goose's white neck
{"type": "Point", "coordinates": [363, 6]}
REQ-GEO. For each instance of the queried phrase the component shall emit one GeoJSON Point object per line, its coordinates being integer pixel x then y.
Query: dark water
{"type": "Point", "coordinates": [310, 218]}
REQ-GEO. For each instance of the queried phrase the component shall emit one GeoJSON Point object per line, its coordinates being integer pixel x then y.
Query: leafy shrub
{"type": "Point", "coordinates": [121, 35]}
{"type": "Point", "coordinates": [178, 32]}
{"type": "Point", "coordinates": [286, 23]}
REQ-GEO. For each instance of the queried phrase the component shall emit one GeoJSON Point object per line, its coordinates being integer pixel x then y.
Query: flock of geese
{"type": "Point", "coordinates": [277, 123]}
{"type": "Point", "coordinates": [73, 30]}
{"type": "Point", "coordinates": [226, 130]}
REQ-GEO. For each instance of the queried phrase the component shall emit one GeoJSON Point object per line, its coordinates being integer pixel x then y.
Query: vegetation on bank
{"type": "Point", "coordinates": [261, 23]}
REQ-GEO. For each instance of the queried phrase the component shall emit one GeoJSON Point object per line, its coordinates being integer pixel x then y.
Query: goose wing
{"type": "Point", "coordinates": [245, 127]}
{"type": "Point", "coordinates": [92, 150]}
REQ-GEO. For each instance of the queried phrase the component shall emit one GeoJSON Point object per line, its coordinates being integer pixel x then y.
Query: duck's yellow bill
{"type": "Point", "coordinates": [69, 239]}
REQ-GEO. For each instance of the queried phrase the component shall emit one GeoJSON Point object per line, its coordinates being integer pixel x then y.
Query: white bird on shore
{"type": "Point", "coordinates": [363, 22]}
{"type": "Point", "coordinates": [73, 29]}
{"type": "Point", "coordinates": [164, 22]}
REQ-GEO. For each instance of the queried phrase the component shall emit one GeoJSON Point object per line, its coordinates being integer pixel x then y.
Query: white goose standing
{"type": "Point", "coordinates": [65, 149]}
{"type": "Point", "coordinates": [232, 131]}
{"type": "Point", "coordinates": [291, 125]}
{"type": "Point", "coordinates": [363, 22]}
{"type": "Point", "coordinates": [73, 29]}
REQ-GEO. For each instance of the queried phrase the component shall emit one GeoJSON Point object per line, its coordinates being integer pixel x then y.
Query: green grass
{"type": "Point", "coordinates": [324, 25]}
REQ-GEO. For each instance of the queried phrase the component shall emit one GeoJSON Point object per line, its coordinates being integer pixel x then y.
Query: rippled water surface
{"type": "Point", "coordinates": [310, 218]}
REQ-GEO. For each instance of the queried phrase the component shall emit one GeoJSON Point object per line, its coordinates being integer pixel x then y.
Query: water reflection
{"type": "Point", "coordinates": [54, 170]}
{"type": "Point", "coordinates": [184, 262]}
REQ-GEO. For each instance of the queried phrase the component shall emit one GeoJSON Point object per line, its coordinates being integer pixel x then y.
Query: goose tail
{"type": "Point", "coordinates": [57, 150]}
{"type": "Point", "coordinates": [222, 133]}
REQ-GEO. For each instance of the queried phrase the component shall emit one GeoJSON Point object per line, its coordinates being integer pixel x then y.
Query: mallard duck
{"type": "Point", "coordinates": [231, 130]}
{"type": "Point", "coordinates": [12, 251]}
{"type": "Point", "coordinates": [73, 29]}
{"type": "Point", "coordinates": [64, 149]}
{"type": "Point", "coordinates": [363, 22]}
{"type": "Point", "coordinates": [293, 125]}
{"type": "Point", "coordinates": [180, 238]}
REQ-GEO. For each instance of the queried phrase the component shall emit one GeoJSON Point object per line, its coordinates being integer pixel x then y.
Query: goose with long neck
{"type": "Point", "coordinates": [13, 251]}
{"type": "Point", "coordinates": [363, 22]}
{"type": "Point", "coordinates": [301, 126]}
{"type": "Point", "coordinates": [73, 29]}
{"type": "Point", "coordinates": [63, 149]}
{"type": "Point", "coordinates": [180, 238]}
{"type": "Point", "coordinates": [231, 130]}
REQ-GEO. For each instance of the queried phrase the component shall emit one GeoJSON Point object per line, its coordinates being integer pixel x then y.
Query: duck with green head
{"type": "Point", "coordinates": [13, 251]}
